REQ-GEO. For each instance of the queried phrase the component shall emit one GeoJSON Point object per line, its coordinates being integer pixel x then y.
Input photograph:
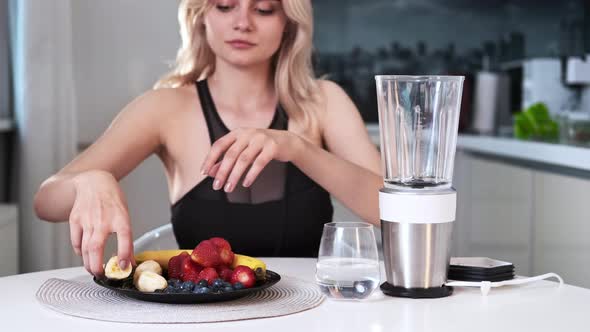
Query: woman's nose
{"type": "Point", "coordinates": [243, 21]}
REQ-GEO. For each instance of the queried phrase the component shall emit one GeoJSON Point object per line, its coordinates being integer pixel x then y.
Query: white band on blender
{"type": "Point", "coordinates": [418, 208]}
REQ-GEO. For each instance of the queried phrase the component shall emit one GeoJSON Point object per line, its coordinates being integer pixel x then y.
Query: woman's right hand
{"type": "Point", "coordinates": [99, 210]}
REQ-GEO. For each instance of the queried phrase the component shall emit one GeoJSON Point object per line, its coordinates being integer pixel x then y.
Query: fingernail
{"type": "Point", "coordinates": [246, 183]}
{"type": "Point", "coordinates": [228, 187]}
{"type": "Point", "coordinates": [216, 185]}
{"type": "Point", "coordinates": [123, 264]}
{"type": "Point", "coordinates": [204, 172]}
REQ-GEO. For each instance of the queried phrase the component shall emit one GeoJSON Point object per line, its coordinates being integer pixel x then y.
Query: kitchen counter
{"type": "Point", "coordinates": [555, 155]}
{"type": "Point", "coordinates": [560, 155]}
{"type": "Point", "coordinates": [541, 306]}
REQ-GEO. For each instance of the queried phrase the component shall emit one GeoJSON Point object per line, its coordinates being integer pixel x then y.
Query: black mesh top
{"type": "Point", "coordinates": [281, 214]}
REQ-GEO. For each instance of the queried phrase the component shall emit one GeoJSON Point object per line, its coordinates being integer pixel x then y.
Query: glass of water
{"type": "Point", "coordinates": [348, 261]}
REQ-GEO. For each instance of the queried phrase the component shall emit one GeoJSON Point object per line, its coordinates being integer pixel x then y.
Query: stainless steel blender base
{"type": "Point", "coordinates": [416, 293]}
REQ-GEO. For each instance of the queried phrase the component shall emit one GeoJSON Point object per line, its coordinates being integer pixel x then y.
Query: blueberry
{"type": "Point", "coordinates": [226, 284]}
{"type": "Point", "coordinates": [238, 285]}
{"type": "Point", "coordinates": [218, 283]}
{"type": "Point", "coordinates": [203, 283]}
{"type": "Point", "coordinates": [187, 286]}
{"type": "Point", "coordinates": [169, 289]}
{"type": "Point", "coordinates": [174, 282]}
{"type": "Point", "coordinates": [228, 289]}
{"type": "Point", "coordinates": [202, 290]}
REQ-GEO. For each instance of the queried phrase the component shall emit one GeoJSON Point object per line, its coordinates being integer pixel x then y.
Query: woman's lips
{"type": "Point", "coordinates": [240, 44]}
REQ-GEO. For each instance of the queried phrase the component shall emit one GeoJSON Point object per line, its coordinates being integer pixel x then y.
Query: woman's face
{"type": "Point", "coordinates": [245, 32]}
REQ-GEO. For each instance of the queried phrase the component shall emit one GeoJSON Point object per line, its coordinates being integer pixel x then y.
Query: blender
{"type": "Point", "coordinates": [418, 122]}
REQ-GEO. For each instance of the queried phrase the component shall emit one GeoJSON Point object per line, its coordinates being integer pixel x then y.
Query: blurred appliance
{"type": "Point", "coordinates": [491, 103]}
{"type": "Point", "coordinates": [542, 82]}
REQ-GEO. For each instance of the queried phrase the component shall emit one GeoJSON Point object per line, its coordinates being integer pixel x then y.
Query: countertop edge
{"type": "Point", "coordinates": [553, 154]}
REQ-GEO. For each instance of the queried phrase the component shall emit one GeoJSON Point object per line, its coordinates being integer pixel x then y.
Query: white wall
{"type": "Point", "coordinates": [120, 50]}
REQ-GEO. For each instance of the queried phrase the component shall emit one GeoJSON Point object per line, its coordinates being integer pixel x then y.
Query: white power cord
{"type": "Point", "coordinates": [486, 286]}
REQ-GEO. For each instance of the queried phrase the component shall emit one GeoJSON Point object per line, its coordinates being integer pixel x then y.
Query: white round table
{"type": "Point", "coordinates": [541, 306]}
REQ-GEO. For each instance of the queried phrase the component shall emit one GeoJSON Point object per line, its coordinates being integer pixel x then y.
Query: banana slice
{"type": "Point", "coordinates": [113, 271]}
{"type": "Point", "coordinates": [149, 281]}
{"type": "Point", "coordinates": [149, 265]}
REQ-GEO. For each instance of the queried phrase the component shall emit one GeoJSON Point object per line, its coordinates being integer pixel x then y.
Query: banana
{"type": "Point", "coordinates": [149, 281]}
{"type": "Point", "coordinates": [149, 265]}
{"type": "Point", "coordinates": [163, 256]}
{"type": "Point", "coordinates": [113, 271]}
{"type": "Point", "coordinates": [160, 256]}
{"type": "Point", "coordinates": [258, 266]}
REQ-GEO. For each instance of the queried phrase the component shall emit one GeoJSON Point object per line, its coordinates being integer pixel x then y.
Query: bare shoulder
{"type": "Point", "coordinates": [331, 93]}
{"type": "Point", "coordinates": [333, 101]}
{"type": "Point", "coordinates": [162, 102]}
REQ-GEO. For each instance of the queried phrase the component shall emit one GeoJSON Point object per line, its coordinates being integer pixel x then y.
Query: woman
{"type": "Point", "coordinates": [243, 64]}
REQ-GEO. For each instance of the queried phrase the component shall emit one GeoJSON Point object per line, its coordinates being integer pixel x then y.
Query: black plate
{"type": "Point", "coordinates": [187, 298]}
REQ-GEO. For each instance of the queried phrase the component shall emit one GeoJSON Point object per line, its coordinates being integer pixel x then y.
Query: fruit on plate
{"type": "Point", "coordinates": [160, 256]}
{"type": "Point", "coordinates": [225, 273]}
{"type": "Point", "coordinates": [258, 266]}
{"type": "Point", "coordinates": [208, 274]}
{"type": "Point", "coordinates": [113, 271]}
{"type": "Point", "coordinates": [175, 265]}
{"type": "Point", "coordinates": [189, 270]}
{"type": "Point", "coordinates": [243, 275]}
{"type": "Point", "coordinates": [149, 265]}
{"type": "Point", "coordinates": [149, 281]}
{"type": "Point", "coordinates": [206, 254]}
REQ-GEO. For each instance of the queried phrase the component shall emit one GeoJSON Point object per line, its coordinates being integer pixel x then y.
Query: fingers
{"type": "Point", "coordinates": [228, 162]}
{"type": "Point", "coordinates": [258, 165]}
{"type": "Point", "coordinates": [244, 161]}
{"type": "Point", "coordinates": [76, 236]}
{"type": "Point", "coordinates": [96, 251]}
{"type": "Point", "coordinates": [86, 235]}
{"type": "Point", "coordinates": [217, 150]}
{"type": "Point", "coordinates": [124, 243]}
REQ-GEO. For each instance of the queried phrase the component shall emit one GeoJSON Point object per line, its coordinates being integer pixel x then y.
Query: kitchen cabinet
{"type": "Point", "coordinates": [561, 234]}
{"type": "Point", "coordinates": [536, 219]}
{"type": "Point", "coordinates": [494, 206]}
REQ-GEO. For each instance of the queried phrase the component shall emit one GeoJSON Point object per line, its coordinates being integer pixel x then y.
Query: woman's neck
{"type": "Point", "coordinates": [249, 87]}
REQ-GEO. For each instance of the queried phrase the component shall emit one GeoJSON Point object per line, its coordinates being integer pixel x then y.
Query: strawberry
{"type": "Point", "coordinates": [190, 270]}
{"type": "Point", "coordinates": [226, 255]}
{"type": "Point", "coordinates": [208, 274]}
{"type": "Point", "coordinates": [225, 273]}
{"type": "Point", "coordinates": [175, 265]}
{"type": "Point", "coordinates": [220, 242]}
{"type": "Point", "coordinates": [243, 274]}
{"type": "Point", "coordinates": [206, 254]}
{"type": "Point", "coordinates": [225, 252]}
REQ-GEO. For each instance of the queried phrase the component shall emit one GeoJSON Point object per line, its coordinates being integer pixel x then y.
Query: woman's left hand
{"type": "Point", "coordinates": [231, 155]}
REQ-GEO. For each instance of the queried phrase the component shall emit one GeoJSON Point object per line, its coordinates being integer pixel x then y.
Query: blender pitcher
{"type": "Point", "coordinates": [418, 121]}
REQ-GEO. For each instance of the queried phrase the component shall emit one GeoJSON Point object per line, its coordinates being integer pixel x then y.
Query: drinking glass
{"type": "Point", "coordinates": [348, 261]}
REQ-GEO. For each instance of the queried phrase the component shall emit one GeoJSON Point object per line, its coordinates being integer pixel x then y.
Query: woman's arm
{"type": "Point", "coordinates": [350, 170]}
{"type": "Point", "coordinates": [86, 192]}
{"type": "Point", "coordinates": [132, 136]}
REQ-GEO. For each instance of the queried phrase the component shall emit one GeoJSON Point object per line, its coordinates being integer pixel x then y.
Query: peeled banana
{"type": "Point", "coordinates": [149, 265]}
{"type": "Point", "coordinates": [160, 256]}
{"type": "Point", "coordinates": [149, 281]}
{"type": "Point", "coordinates": [113, 271]}
{"type": "Point", "coordinates": [258, 266]}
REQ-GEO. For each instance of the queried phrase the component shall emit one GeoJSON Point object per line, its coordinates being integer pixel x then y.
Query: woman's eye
{"type": "Point", "coordinates": [224, 8]}
{"type": "Point", "coordinates": [265, 11]}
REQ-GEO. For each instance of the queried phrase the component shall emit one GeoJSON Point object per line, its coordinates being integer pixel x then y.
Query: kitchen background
{"type": "Point", "coordinates": [68, 67]}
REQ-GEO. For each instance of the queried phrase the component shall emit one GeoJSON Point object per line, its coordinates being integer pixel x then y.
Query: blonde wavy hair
{"type": "Point", "coordinates": [294, 79]}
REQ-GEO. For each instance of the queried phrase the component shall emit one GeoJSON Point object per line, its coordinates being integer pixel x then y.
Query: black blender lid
{"type": "Point", "coordinates": [467, 277]}
{"type": "Point", "coordinates": [483, 265]}
{"type": "Point", "coordinates": [416, 293]}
